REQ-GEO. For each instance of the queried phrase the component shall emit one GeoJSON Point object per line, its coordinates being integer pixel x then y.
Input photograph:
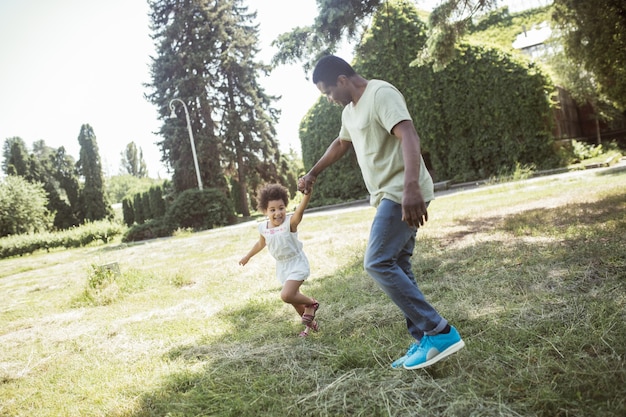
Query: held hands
{"type": "Point", "coordinates": [305, 184]}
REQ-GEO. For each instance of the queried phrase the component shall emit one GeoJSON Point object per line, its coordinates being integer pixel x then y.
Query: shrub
{"type": "Point", "coordinates": [584, 151]}
{"type": "Point", "coordinates": [151, 229]}
{"type": "Point", "coordinates": [192, 209]}
{"type": "Point", "coordinates": [128, 212]}
{"type": "Point", "coordinates": [157, 202]}
{"type": "Point", "coordinates": [23, 207]}
{"type": "Point", "coordinates": [101, 231]}
{"type": "Point", "coordinates": [138, 209]}
{"type": "Point", "coordinates": [200, 210]}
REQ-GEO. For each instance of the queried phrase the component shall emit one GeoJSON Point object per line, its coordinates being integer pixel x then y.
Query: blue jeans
{"type": "Point", "coordinates": [388, 261]}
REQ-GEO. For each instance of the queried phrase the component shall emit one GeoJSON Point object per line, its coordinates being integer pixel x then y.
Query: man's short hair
{"type": "Point", "coordinates": [329, 68]}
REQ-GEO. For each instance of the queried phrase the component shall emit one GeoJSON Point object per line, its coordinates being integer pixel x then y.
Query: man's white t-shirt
{"type": "Point", "coordinates": [368, 126]}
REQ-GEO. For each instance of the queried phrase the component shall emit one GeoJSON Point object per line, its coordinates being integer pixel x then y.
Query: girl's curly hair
{"type": "Point", "coordinates": [272, 192]}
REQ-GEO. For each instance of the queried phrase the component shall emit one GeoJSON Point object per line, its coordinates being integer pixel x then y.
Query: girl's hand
{"type": "Point", "coordinates": [244, 261]}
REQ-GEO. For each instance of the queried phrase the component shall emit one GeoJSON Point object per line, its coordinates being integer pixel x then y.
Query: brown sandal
{"type": "Point", "coordinates": [307, 319]}
{"type": "Point", "coordinates": [314, 326]}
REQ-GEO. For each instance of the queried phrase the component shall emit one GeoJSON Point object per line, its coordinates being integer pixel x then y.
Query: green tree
{"type": "Point", "coordinates": [199, 210]}
{"type": "Point", "coordinates": [16, 159]}
{"type": "Point", "coordinates": [247, 124]}
{"type": "Point", "coordinates": [66, 174]}
{"type": "Point", "coordinates": [583, 88]}
{"type": "Point", "coordinates": [147, 208]}
{"type": "Point", "coordinates": [132, 161]}
{"type": "Point", "coordinates": [43, 167]}
{"type": "Point", "coordinates": [126, 185]}
{"type": "Point", "coordinates": [340, 20]}
{"type": "Point", "coordinates": [188, 38]}
{"type": "Point", "coordinates": [22, 207]}
{"type": "Point", "coordinates": [94, 204]}
{"type": "Point", "coordinates": [594, 35]}
{"type": "Point", "coordinates": [448, 23]}
{"type": "Point", "coordinates": [480, 116]}
{"type": "Point", "coordinates": [128, 212]}
{"type": "Point", "coordinates": [157, 202]}
{"type": "Point", "coordinates": [206, 58]}
{"type": "Point", "coordinates": [138, 209]}
{"type": "Point", "coordinates": [336, 21]}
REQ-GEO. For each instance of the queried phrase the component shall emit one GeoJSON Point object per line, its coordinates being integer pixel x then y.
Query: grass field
{"type": "Point", "coordinates": [532, 273]}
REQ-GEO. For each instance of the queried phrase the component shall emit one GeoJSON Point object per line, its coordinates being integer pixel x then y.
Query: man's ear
{"type": "Point", "coordinates": [342, 79]}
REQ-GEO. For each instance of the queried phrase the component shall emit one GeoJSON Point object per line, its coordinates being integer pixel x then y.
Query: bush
{"type": "Point", "coordinates": [151, 229]}
{"type": "Point", "coordinates": [582, 151]}
{"type": "Point", "coordinates": [23, 207]}
{"type": "Point", "coordinates": [200, 210]}
{"type": "Point", "coordinates": [192, 209]}
{"type": "Point", "coordinates": [100, 231]}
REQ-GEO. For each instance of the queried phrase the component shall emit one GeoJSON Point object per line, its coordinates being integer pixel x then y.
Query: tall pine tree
{"type": "Point", "coordinates": [247, 124]}
{"type": "Point", "coordinates": [93, 201]}
{"type": "Point", "coordinates": [206, 58]}
{"type": "Point", "coordinates": [184, 68]}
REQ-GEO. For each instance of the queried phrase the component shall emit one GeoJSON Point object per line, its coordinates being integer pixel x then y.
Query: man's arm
{"type": "Point", "coordinates": [334, 152]}
{"type": "Point", "coordinates": [413, 206]}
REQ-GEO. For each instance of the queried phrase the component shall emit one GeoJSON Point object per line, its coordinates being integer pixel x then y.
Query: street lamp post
{"type": "Point", "coordinates": [193, 145]}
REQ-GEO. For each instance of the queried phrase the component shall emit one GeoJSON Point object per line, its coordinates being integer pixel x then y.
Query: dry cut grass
{"type": "Point", "coordinates": [531, 273]}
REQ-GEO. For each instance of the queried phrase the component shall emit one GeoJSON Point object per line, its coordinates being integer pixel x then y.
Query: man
{"type": "Point", "coordinates": [377, 124]}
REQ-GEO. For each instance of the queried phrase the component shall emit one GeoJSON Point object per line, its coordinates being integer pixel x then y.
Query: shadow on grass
{"type": "Point", "coordinates": [541, 307]}
{"type": "Point", "coordinates": [543, 220]}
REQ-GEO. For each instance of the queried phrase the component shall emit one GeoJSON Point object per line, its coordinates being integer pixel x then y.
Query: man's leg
{"type": "Point", "coordinates": [390, 244]}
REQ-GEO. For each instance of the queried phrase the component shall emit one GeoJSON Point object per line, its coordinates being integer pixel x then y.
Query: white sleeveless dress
{"type": "Point", "coordinates": [284, 246]}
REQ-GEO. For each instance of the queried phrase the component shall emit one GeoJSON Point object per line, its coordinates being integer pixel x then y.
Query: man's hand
{"type": "Point", "coordinates": [414, 210]}
{"type": "Point", "coordinates": [305, 184]}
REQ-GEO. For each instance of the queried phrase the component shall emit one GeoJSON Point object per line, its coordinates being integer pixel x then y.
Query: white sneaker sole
{"type": "Point", "coordinates": [452, 349]}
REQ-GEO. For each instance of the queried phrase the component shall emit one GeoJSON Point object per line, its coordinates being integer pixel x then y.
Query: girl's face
{"type": "Point", "coordinates": [276, 212]}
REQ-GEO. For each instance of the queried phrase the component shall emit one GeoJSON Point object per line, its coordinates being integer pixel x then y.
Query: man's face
{"type": "Point", "coordinates": [339, 93]}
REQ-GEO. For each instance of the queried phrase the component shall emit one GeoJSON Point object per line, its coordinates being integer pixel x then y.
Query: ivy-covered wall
{"type": "Point", "coordinates": [489, 113]}
{"type": "Point", "coordinates": [483, 115]}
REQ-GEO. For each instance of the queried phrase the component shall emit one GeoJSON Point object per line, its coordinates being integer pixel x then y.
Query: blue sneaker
{"type": "Point", "coordinates": [434, 348]}
{"type": "Point", "coordinates": [399, 362]}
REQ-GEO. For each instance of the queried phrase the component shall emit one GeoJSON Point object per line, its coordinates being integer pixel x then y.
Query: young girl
{"type": "Point", "coordinates": [280, 233]}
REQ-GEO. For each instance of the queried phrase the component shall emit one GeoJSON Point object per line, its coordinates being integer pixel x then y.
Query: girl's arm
{"type": "Point", "coordinates": [258, 247]}
{"type": "Point", "coordinates": [296, 217]}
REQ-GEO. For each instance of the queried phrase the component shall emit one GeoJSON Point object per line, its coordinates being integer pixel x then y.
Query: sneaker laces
{"type": "Point", "coordinates": [412, 348]}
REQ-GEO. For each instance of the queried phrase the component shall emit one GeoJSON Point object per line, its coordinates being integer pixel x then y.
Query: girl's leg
{"type": "Point", "coordinates": [299, 308]}
{"type": "Point", "coordinates": [291, 294]}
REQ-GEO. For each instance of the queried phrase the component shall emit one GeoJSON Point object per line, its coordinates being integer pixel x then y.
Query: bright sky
{"type": "Point", "coordinates": [65, 63]}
